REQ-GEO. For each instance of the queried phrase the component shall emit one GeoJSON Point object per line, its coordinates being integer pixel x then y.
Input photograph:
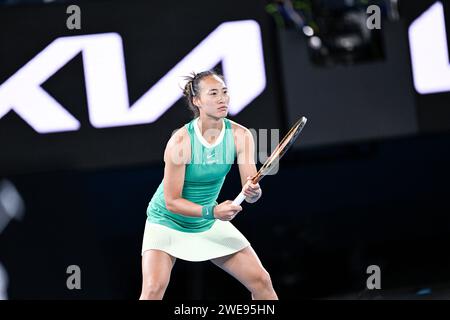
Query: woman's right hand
{"type": "Point", "coordinates": [226, 210]}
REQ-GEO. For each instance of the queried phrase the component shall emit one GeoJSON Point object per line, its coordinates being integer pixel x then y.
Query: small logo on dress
{"type": "Point", "coordinates": [210, 158]}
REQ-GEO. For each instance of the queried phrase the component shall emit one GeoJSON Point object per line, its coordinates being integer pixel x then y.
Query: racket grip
{"type": "Point", "coordinates": [239, 199]}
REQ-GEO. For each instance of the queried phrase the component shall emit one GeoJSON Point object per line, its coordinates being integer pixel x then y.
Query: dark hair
{"type": "Point", "coordinates": [191, 89]}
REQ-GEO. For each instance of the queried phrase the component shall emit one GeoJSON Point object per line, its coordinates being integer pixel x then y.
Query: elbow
{"type": "Point", "coordinates": [171, 200]}
{"type": "Point", "coordinates": [170, 205]}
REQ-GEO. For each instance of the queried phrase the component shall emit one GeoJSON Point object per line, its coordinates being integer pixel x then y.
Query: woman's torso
{"type": "Point", "coordinates": [204, 177]}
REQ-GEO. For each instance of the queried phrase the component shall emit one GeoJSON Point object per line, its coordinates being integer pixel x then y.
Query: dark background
{"type": "Point", "coordinates": [156, 36]}
{"type": "Point", "coordinates": [366, 184]}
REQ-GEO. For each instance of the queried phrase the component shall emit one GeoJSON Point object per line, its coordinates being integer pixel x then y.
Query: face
{"type": "Point", "coordinates": [213, 98]}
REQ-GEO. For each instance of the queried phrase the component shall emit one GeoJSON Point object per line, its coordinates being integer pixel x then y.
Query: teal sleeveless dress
{"type": "Point", "coordinates": [195, 238]}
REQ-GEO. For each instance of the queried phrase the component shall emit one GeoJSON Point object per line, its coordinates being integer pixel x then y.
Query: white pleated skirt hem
{"type": "Point", "coordinates": [220, 240]}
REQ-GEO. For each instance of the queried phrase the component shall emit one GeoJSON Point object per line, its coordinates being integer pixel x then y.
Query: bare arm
{"type": "Point", "coordinates": [245, 148]}
{"type": "Point", "coordinates": [176, 156]}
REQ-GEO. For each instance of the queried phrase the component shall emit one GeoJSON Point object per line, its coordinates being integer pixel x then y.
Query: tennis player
{"type": "Point", "coordinates": [184, 220]}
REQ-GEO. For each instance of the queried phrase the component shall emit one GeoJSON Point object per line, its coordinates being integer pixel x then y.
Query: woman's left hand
{"type": "Point", "coordinates": [252, 191]}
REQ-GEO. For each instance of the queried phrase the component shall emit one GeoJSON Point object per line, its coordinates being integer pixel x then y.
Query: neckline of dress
{"type": "Point", "coordinates": [203, 140]}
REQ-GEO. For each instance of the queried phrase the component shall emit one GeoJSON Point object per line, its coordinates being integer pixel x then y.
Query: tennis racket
{"type": "Point", "coordinates": [271, 162]}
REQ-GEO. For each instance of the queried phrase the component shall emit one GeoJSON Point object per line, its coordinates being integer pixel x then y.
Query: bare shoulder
{"type": "Point", "coordinates": [178, 137]}
{"type": "Point", "coordinates": [239, 130]}
{"type": "Point", "coordinates": [178, 148]}
{"type": "Point", "coordinates": [242, 137]}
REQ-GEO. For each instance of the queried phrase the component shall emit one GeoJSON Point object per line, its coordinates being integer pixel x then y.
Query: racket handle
{"type": "Point", "coordinates": [239, 199]}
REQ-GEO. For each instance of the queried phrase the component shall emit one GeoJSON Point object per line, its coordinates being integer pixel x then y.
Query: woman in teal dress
{"type": "Point", "coordinates": [184, 220]}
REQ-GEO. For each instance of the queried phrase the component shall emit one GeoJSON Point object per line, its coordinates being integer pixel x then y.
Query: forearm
{"type": "Point", "coordinates": [184, 207]}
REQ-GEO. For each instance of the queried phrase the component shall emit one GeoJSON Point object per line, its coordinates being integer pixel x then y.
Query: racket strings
{"type": "Point", "coordinates": [279, 151]}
